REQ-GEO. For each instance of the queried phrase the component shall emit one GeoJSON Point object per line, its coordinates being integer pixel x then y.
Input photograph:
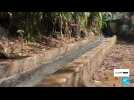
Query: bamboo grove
{"type": "Point", "coordinates": [33, 25]}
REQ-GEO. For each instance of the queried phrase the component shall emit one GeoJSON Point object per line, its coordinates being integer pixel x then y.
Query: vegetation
{"type": "Point", "coordinates": [32, 25]}
{"type": "Point", "coordinates": [47, 28]}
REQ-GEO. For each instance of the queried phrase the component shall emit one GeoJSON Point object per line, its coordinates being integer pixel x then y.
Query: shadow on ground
{"type": "Point", "coordinates": [129, 39]}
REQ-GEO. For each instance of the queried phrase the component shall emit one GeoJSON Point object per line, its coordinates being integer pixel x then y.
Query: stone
{"type": "Point", "coordinates": [3, 69]}
{"type": "Point", "coordinates": [3, 33]}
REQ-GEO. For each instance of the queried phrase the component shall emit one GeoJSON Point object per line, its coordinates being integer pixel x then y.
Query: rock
{"type": "Point", "coordinates": [113, 27]}
{"type": "Point", "coordinates": [83, 33]}
{"type": "Point", "coordinates": [91, 33]}
{"type": "Point", "coordinates": [3, 32]}
{"type": "Point", "coordinates": [124, 29]}
{"type": "Point", "coordinates": [3, 69]}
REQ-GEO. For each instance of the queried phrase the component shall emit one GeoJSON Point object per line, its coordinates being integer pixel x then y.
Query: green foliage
{"type": "Point", "coordinates": [95, 19]}
{"type": "Point", "coordinates": [35, 24]}
{"type": "Point", "coordinates": [106, 16]}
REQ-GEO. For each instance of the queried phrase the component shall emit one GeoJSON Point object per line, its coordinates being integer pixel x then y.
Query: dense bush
{"type": "Point", "coordinates": [32, 25]}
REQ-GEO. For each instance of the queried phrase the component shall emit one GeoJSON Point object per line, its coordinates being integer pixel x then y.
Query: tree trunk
{"type": "Point", "coordinates": [61, 23]}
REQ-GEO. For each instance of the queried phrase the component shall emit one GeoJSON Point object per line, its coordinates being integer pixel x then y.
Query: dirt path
{"type": "Point", "coordinates": [121, 56]}
{"type": "Point", "coordinates": [32, 78]}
